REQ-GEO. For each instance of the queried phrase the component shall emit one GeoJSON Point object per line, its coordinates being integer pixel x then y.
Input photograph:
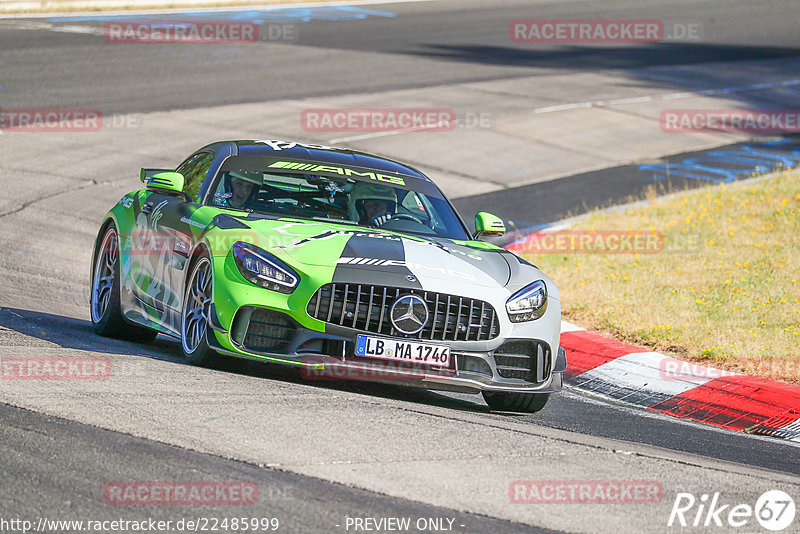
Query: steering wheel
{"type": "Point", "coordinates": [406, 216]}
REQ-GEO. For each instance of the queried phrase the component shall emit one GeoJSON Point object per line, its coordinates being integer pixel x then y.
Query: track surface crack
{"type": "Point", "coordinates": [52, 194]}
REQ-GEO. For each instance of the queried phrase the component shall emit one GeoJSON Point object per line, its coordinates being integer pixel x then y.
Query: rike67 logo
{"type": "Point", "coordinates": [774, 510]}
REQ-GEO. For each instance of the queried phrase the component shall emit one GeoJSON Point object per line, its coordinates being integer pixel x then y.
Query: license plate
{"type": "Point", "coordinates": [402, 350]}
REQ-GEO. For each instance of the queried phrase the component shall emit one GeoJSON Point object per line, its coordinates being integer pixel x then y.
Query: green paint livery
{"type": "Point", "coordinates": [291, 269]}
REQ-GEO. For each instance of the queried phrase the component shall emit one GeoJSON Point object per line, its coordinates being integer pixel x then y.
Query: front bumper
{"type": "Point", "coordinates": [501, 365]}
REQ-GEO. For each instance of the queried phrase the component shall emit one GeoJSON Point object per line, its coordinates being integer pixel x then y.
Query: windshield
{"type": "Point", "coordinates": [363, 203]}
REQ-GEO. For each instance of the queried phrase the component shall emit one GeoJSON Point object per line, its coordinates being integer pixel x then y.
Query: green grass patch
{"type": "Point", "coordinates": [723, 290]}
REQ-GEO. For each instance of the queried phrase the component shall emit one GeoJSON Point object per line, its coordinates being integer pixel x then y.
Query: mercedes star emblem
{"type": "Point", "coordinates": [409, 314]}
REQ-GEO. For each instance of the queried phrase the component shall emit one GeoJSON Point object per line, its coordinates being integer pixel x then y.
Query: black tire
{"type": "Point", "coordinates": [104, 306]}
{"type": "Point", "coordinates": [516, 402]}
{"type": "Point", "coordinates": [194, 328]}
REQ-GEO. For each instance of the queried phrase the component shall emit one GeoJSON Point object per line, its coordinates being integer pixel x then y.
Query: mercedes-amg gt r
{"type": "Point", "coordinates": [343, 263]}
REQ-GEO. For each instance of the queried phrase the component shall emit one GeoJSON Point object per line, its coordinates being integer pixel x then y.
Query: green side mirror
{"type": "Point", "coordinates": [146, 174]}
{"type": "Point", "coordinates": [166, 182]}
{"type": "Point", "coordinates": [487, 224]}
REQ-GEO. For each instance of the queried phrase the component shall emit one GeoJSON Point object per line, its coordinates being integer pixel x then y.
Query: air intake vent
{"type": "Point", "coordinates": [268, 331]}
{"type": "Point", "coordinates": [527, 360]}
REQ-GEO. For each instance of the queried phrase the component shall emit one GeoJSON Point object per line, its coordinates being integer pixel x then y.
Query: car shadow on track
{"type": "Point", "coordinates": [30, 329]}
{"type": "Point", "coordinates": [272, 371]}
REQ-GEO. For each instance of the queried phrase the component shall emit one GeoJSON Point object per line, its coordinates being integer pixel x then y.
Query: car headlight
{"type": "Point", "coordinates": [263, 269]}
{"type": "Point", "coordinates": [528, 303]}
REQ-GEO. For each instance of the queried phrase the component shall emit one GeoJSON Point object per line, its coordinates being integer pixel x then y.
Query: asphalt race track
{"type": "Point", "coordinates": [547, 131]}
{"type": "Point", "coordinates": [381, 47]}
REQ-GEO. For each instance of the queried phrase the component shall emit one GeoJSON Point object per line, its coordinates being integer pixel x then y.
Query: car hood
{"type": "Point", "coordinates": [369, 256]}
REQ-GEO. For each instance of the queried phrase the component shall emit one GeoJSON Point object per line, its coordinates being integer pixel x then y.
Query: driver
{"type": "Point", "coordinates": [243, 188]}
{"type": "Point", "coordinates": [371, 204]}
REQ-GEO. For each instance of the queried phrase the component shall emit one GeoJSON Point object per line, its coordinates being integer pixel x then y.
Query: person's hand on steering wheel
{"type": "Point", "coordinates": [377, 211]}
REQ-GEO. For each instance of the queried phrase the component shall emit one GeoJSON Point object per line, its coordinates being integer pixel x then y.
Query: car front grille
{"type": "Point", "coordinates": [524, 359]}
{"type": "Point", "coordinates": [366, 307]}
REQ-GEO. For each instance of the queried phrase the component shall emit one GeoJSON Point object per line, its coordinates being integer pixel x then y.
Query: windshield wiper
{"type": "Point", "coordinates": [258, 215]}
{"type": "Point", "coordinates": [336, 221]}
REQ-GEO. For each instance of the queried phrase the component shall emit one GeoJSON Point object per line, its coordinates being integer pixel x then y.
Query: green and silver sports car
{"type": "Point", "coordinates": [346, 264]}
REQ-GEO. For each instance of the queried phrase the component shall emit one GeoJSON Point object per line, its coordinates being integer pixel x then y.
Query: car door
{"type": "Point", "coordinates": [164, 238]}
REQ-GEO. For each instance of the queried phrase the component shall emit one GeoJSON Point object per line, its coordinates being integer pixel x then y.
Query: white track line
{"type": "Point", "coordinates": [669, 96]}
{"type": "Point", "coordinates": [200, 9]}
{"type": "Point", "coordinates": [370, 135]}
{"type": "Point", "coordinates": [601, 104]}
{"type": "Point", "coordinates": [569, 327]}
{"type": "Point", "coordinates": [651, 372]}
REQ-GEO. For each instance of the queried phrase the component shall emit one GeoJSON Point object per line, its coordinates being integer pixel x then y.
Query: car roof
{"type": "Point", "coordinates": [323, 154]}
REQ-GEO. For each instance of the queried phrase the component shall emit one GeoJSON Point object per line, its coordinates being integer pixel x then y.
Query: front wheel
{"type": "Point", "coordinates": [194, 319]}
{"type": "Point", "coordinates": [104, 306]}
{"type": "Point", "coordinates": [516, 402]}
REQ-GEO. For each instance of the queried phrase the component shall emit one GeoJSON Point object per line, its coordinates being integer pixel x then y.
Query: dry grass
{"type": "Point", "coordinates": [725, 290]}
